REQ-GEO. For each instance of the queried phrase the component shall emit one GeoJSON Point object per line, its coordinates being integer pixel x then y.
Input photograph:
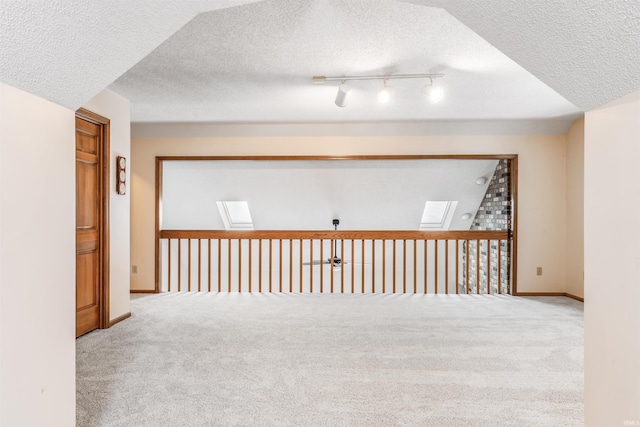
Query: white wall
{"type": "Point", "coordinates": [306, 195]}
{"type": "Point", "coordinates": [612, 263]}
{"type": "Point", "coordinates": [37, 261]}
{"type": "Point", "coordinates": [116, 108]}
{"type": "Point", "coordinates": [542, 192]}
{"type": "Point", "coordinates": [575, 209]}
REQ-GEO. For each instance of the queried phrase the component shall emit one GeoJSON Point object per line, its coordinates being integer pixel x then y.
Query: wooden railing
{"type": "Point", "coordinates": [372, 261]}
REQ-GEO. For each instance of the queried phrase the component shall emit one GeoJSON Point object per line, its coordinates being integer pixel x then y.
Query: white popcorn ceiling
{"type": "Point", "coordinates": [586, 50]}
{"type": "Point", "coordinates": [254, 62]}
{"type": "Point", "coordinates": [69, 51]}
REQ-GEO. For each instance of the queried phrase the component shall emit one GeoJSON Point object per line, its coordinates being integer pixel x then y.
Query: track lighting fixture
{"type": "Point", "coordinates": [434, 93]}
{"type": "Point", "coordinates": [343, 93]}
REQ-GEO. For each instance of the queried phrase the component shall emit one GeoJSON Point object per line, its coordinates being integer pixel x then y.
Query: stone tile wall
{"type": "Point", "coordinates": [494, 213]}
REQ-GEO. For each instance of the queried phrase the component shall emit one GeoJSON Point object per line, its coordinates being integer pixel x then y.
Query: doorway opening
{"type": "Point", "coordinates": [193, 252]}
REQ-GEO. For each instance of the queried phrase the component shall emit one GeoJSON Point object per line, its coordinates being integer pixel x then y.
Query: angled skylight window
{"type": "Point", "coordinates": [437, 215]}
{"type": "Point", "coordinates": [235, 215]}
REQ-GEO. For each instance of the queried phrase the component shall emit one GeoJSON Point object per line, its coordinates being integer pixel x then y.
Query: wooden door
{"type": "Point", "coordinates": [89, 220]}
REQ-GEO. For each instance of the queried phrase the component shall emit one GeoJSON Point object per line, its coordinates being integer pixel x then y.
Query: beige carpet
{"type": "Point", "coordinates": [335, 360]}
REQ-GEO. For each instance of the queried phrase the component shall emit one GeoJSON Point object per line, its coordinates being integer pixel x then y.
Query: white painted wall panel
{"type": "Point", "coordinates": [612, 264]}
{"type": "Point", "coordinates": [37, 261]}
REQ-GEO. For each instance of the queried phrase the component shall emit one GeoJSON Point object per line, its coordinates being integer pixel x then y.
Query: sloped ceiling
{"type": "Point", "coordinates": [307, 195]}
{"type": "Point", "coordinates": [587, 51]}
{"type": "Point", "coordinates": [69, 51]}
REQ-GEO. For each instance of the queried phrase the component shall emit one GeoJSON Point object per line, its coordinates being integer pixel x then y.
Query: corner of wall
{"type": "Point", "coordinates": [575, 209]}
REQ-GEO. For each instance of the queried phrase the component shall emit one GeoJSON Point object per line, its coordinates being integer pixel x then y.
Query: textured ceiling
{"type": "Point", "coordinates": [588, 51]}
{"type": "Point", "coordinates": [307, 195]}
{"type": "Point", "coordinates": [69, 51]}
{"type": "Point", "coordinates": [254, 64]}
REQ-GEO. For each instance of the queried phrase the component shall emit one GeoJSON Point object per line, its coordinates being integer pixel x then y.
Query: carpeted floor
{"type": "Point", "coordinates": [335, 360]}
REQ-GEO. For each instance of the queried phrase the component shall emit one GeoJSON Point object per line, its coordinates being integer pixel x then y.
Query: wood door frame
{"type": "Point", "coordinates": [105, 188]}
{"type": "Point", "coordinates": [513, 169]}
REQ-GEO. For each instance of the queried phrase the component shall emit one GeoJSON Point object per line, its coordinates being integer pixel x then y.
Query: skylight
{"type": "Point", "coordinates": [235, 215]}
{"type": "Point", "coordinates": [437, 215]}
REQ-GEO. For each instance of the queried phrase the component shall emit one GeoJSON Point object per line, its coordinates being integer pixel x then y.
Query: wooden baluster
{"type": "Point", "coordinates": [362, 258]}
{"type": "Point", "coordinates": [404, 266]}
{"type": "Point", "coordinates": [394, 266]}
{"type": "Point", "coordinates": [477, 266]}
{"type": "Point", "coordinates": [489, 267]}
{"type": "Point", "coordinates": [353, 263]}
{"type": "Point", "coordinates": [259, 265]}
{"type": "Point", "coordinates": [321, 272]}
{"type": "Point", "coordinates": [342, 266]}
{"type": "Point", "coordinates": [436, 266]}
{"type": "Point", "coordinates": [466, 278]}
{"type": "Point", "coordinates": [499, 263]}
{"type": "Point", "coordinates": [179, 264]}
{"type": "Point", "coordinates": [331, 263]}
{"type": "Point", "coordinates": [373, 266]}
{"type": "Point", "coordinates": [300, 258]}
{"type": "Point", "coordinates": [384, 265]}
{"type": "Point", "coordinates": [310, 266]}
{"type": "Point", "coordinates": [270, 265]}
{"type": "Point", "coordinates": [415, 266]}
{"type": "Point", "coordinates": [169, 266]}
{"type": "Point", "coordinates": [280, 263]}
{"type": "Point", "coordinates": [189, 266]}
{"type": "Point", "coordinates": [425, 267]}
{"type": "Point", "coordinates": [239, 265]}
{"type": "Point", "coordinates": [228, 265]}
{"type": "Point", "coordinates": [457, 263]}
{"type": "Point", "coordinates": [219, 265]}
{"type": "Point", "coordinates": [250, 262]}
{"type": "Point", "coordinates": [446, 266]}
{"type": "Point", "coordinates": [199, 264]}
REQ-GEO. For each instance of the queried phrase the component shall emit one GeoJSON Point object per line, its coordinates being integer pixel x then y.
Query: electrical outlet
{"type": "Point", "coordinates": [539, 271]}
{"type": "Point", "coordinates": [134, 269]}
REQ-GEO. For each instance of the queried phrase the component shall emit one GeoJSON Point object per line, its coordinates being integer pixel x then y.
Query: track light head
{"type": "Point", "coordinates": [384, 94]}
{"type": "Point", "coordinates": [433, 93]}
{"type": "Point", "coordinates": [343, 94]}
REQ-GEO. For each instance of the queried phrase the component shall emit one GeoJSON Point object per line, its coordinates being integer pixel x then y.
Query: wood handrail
{"type": "Point", "coordinates": [336, 235]}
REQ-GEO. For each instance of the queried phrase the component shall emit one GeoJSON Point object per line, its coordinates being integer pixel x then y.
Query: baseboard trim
{"type": "Point", "coordinates": [119, 319]}
{"type": "Point", "coordinates": [142, 291]}
{"type": "Point", "coordinates": [577, 298]}
{"type": "Point", "coordinates": [549, 294]}
{"type": "Point", "coordinates": [540, 294]}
